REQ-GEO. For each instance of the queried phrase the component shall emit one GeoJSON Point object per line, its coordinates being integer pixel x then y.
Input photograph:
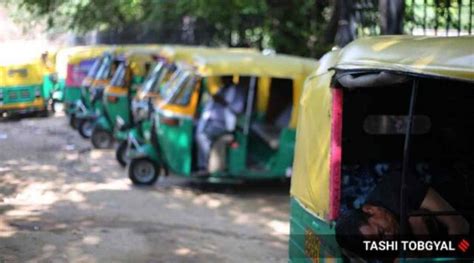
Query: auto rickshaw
{"type": "Point", "coordinates": [154, 89]}
{"type": "Point", "coordinates": [133, 68]}
{"type": "Point", "coordinates": [262, 144]}
{"type": "Point", "coordinates": [90, 105]}
{"type": "Point", "coordinates": [72, 66]}
{"type": "Point", "coordinates": [382, 106]}
{"type": "Point", "coordinates": [21, 87]}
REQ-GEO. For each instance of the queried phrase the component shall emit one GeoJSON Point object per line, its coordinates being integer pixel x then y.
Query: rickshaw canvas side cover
{"type": "Point", "coordinates": [310, 182]}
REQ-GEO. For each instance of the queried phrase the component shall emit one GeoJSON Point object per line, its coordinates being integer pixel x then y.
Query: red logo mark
{"type": "Point", "coordinates": [463, 245]}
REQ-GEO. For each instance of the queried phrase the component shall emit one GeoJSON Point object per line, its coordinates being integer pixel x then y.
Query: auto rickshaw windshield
{"type": "Point", "coordinates": [153, 80]}
{"type": "Point", "coordinates": [174, 85]}
{"type": "Point", "coordinates": [119, 76]}
{"type": "Point", "coordinates": [94, 69]}
{"type": "Point", "coordinates": [183, 89]}
{"type": "Point", "coordinates": [103, 71]}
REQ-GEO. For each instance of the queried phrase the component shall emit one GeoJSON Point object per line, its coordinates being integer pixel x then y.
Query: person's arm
{"type": "Point", "coordinates": [457, 225]}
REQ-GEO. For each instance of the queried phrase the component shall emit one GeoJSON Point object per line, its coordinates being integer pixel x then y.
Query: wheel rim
{"type": "Point", "coordinates": [144, 171]}
{"type": "Point", "coordinates": [87, 128]}
{"type": "Point", "coordinates": [102, 139]}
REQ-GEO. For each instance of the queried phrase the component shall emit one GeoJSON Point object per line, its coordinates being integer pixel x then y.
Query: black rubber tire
{"type": "Point", "coordinates": [82, 128]}
{"type": "Point", "coordinates": [119, 153]}
{"type": "Point", "coordinates": [73, 121]}
{"type": "Point", "coordinates": [98, 136]}
{"type": "Point", "coordinates": [133, 171]}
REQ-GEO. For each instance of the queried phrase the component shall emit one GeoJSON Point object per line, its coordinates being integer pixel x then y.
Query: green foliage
{"type": "Point", "coordinates": [292, 26]}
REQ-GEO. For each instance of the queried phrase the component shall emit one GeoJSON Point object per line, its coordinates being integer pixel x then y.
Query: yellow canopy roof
{"type": "Point", "coordinates": [451, 57]}
{"type": "Point", "coordinates": [74, 55]}
{"type": "Point", "coordinates": [255, 64]}
{"type": "Point", "coordinates": [186, 53]}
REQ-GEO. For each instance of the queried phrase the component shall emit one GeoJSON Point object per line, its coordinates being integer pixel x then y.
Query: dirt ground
{"type": "Point", "coordinates": [62, 201]}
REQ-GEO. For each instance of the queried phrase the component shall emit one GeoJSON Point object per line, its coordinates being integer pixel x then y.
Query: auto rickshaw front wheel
{"type": "Point", "coordinates": [101, 139]}
{"type": "Point", "coordinates": [121, 153]}
{"type": "Point", "coordinates": [85, 128]}
{"type": "Point", "coordinates": [143, 171]}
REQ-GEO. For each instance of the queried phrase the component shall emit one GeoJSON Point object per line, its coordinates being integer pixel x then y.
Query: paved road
{"type": "Point", "coordinates": [61, 201]}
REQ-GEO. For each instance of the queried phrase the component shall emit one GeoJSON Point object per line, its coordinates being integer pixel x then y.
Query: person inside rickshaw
{"type": "Point", "coordinates": [219, 116]}
{"type": "Point", "coordinates": [440, 175]}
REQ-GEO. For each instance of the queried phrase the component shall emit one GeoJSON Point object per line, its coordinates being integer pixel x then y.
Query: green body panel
{"type": "Point", "coordinates": [119, 108]}
{"type": "Point", "coordinates": [122, 107]}
{"type": "Point", "coordinates": [283, 159]}
{"type": "Point", "coordinates": [176, 145]}
{"type": "Point", "coordinates": [237, 156]}
{"type": "Point", "coordinates": [48, 87]}
{"type": "Point", "coordinates": [71, 95]}
{"type": "Point", "coordinates": [319, 235]}
{"type": "Point", "coordinates": [59, 92]}
{"type": "Point", "coordinates": [19, 94]}
{"type": "Point", "coordinates": [121, 135]}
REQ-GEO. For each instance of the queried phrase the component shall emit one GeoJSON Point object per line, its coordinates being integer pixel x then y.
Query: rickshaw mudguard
{"type": "Point", "coordinates": [103, 124]}
{"type": "Point", "coordinates": [311, 239]}
{"type": "Point", "coordinates": [145, 150]}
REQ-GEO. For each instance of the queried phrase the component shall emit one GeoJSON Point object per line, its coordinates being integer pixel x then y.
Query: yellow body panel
{"type": "Point", "coordinates": [310, 181]}
{"type": "Point", "coordinates": [38, 103]}
{"type": "Point", "coordinates": [116, 90]}
{"type": "Point", "coordinates": [22, 74]}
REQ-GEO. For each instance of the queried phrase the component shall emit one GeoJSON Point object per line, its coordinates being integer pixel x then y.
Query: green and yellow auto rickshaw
{"type": "Point", "coordinates": [383, 106]}
{"type": "Point", "coordinates": [72, 67]}
{"type": "Point", "coordinates": [90, 105]}
{"type": "Point", "coordinates": [117, 99]}
{"type": "Point", "coordinates": [21, 87]}
{"type": "Point", "coordinates": [262, 144]}
{"type": "Point", "coordinates": [154, 90]}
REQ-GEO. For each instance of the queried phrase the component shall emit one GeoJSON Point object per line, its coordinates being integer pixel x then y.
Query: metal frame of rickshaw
{"type": "Point", "coordinates": [234, 70]}
{"type": "Point", "coordinates": [311, 241]}
{"type": "Point", "coordinates": [133, 66]}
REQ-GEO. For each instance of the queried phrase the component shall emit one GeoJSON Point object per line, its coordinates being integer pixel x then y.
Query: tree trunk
{"type": "Point", "coordinates": [391, 16]}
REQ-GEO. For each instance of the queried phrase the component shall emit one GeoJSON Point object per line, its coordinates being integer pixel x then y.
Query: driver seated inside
{"type": "Point", "coordinates": [378, 218]}
{"type": "Point", "coordinates": [219, 116]}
